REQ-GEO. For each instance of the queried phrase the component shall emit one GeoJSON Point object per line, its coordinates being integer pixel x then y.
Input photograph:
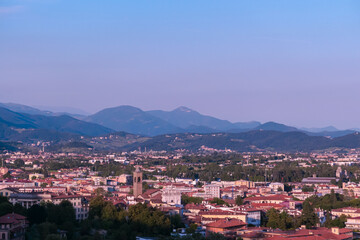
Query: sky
{"type": "Point", "coordinates": [294, 62]}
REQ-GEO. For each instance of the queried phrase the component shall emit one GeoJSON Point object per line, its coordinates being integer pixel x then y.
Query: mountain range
{"type": "Point", "coordinates": [186, 120]}
{"type": "Point", "coordinates": [161, 129]}
{"type": "Point", "coordinates": [14, 125]}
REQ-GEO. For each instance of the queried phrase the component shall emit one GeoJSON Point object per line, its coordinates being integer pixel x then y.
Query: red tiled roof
{"type": "Point", "coordinates": [226, 223]}
{"type": "Point", "coordinates": [272, 197]}
{"type": "Point", "coordinates": [11, 218]}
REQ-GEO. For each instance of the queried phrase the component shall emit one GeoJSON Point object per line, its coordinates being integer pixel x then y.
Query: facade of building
{"type": "Point", "coordinates": [80, 205]}
{"type": "Point", "coordinates": [171, 195]}
{"type": "Point", "coordinates": [348, 211]}
{"type": "Point", "coordinates": [212, 190]}
{"type": "Point", "coordinates": [125, 178]}
{"type": "Point", "coordinates": [12, 227]}
{"type": "Point", "coordinates": [353, 223]}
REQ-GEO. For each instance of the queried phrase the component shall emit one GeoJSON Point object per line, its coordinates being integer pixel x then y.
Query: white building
{"type": "Point", "coordinates": [275, 186]}
{"type": "Point", "coordinates": [212, 190]}
{"type": "Point", "coordinates": [171, 195]}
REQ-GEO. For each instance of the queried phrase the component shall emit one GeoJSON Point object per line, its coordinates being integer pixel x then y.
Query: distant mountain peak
{"type": "Point", "coordinates": [127, 108]}
{"type": "Point", "coordinates": [183, 109]}
{"type": "Point", "coordinates": [274, 126]}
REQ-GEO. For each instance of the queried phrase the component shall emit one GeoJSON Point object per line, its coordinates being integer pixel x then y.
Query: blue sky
{"type": "Point", "coordinates": [295, 62]}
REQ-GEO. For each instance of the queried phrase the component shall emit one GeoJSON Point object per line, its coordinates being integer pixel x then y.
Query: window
{"type": "Point", "coordinates": [3, 236]}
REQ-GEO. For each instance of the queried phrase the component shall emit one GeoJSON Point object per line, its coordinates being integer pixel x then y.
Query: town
{"type": "Point", "coordinates": [177, 195]}
{"type": "Point", "coordinates": [179, 120]}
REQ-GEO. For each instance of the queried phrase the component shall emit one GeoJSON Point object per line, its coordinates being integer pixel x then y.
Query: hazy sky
{"type": "Point", "coordinates": [295, 62]}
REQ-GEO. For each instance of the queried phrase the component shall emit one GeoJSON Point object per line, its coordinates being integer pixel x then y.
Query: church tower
{"type": "Point", "coordinates": [137, 182]}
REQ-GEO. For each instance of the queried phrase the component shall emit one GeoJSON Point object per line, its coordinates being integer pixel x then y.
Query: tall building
{"type": "Point", "coordinates": [137, 182]}
{"type": "Point", "coordinates": [212, 190]}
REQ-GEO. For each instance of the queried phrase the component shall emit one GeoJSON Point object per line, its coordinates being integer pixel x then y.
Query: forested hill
{"type": "Point", "coordinates": [251, 141]}
{"type": "Point", "coordinates": [248, 141]}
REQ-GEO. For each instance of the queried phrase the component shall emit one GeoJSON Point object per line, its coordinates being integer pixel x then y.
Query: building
{"type": "Point", "coordinates": [245, 183]}
{"type": "Point", "coordinates": [334, 233]}
{"type": "Point", "coordinates": [353, 223]}
{"type": "Point", "coordinates": [347, 211]}
{"type": "Point", "coordinates": [212, 190]}
{"type": "Point", "coordinates": [3, 171]}
{"type": "Point", "coordinates": [125, 178]}
{"type": "Point", "coordinates": [273, 199]}
{"type": "Point", "coordinates": [29, 199]}
{"type": "Point", "coordinates": [171, 195]}
{"type": "Point", "coordinates": [137, 183]}
{"type": "Point", "coordinates": [253, 217]}
{"type": "Point", "coordinates": [33, 176]}
{"type": "Point", "coordinates": [12, 227]}
{"type": "Point", "coordinates": [80, 205]}
{"type": "Point", "coordinates": [318, 180]}
{"type": "Point", "coordinates": [276, 186]}
{"type": "Point", "coordinates": [225, 226]}
{"type": "Point", "coordinates": [217, 214]}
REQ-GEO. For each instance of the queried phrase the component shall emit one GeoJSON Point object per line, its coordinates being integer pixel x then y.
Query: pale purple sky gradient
{"type": "Point", "coordinates": [294, 62]}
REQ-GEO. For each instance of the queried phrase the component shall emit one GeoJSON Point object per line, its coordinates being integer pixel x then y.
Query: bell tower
{"type": "Point", "coordinates": [137, 182]}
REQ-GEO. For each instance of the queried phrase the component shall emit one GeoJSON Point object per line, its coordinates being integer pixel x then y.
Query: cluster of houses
{"type": "Point", "coordinates": [215, 208]}
{"type": "Point", "coordinates": [227, 217]}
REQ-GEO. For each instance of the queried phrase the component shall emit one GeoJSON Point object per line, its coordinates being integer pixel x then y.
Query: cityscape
{"type": "Point", "coordinates": [179, 120]}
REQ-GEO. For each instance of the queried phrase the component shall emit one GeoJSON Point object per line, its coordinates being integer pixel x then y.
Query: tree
{"type": "Point", "coordinates": [176, 221]}
{"type": "Point", "coordinates": [146, 186]}
{"type": "Point", "coordinates": [5, 206]}
{"type": "Point", "coordinates": [239, 200]}
{"type": "Point", "coordinates": [215, 236]}
{"type": "Point", "coordinates": [192, 228]}
{"type": "Point", "coordinates": [36, 214]}
{"type": "Point", "coordinates": [273, 218]}
{"type": "Point", "coordinates": [19, 163]}
{"type": "Point", "coordinates": [19, 209]}
{"type": "Point", "coordinates": [218, 201]}
{"type": "Point", "coordinates": [285, 221]}
{"type": "Point", "coordinates": [185, 199]}
{"type": "Point", "coordinates": [53, 237]}
{"type": "Point", "coordinates": [109, 211]}
{"type": "Point", "coordinates": [46, 228]}
{"type": "Point", "coordinates": [308, 217]}
{"type": "Point", "coordinates": [61, 213]}
{"type": "Point", "coordinates": [287, 188]}
{"type": "Point", "coordinates": [333, 198]}
{"type": "Point", "coordinates": [7, 175]}
{"type": "Point", "coordinates": [307, 189]}
{"type": "Point", "coordinates": [337, 222]}
{"type": "Point", "coordinates": [148, 220]}
{"type": "Point", "coordinates": [100, 191]}
{"type": "Point", "coordinates": [96, 206]}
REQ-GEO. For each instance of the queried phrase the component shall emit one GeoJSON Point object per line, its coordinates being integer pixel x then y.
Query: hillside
{"type": "Point", "coordinates": [248, 141]}
{"type": "Point", "coordinates": [20, 108]}
{"type": "Point", "coordinates": [13, 123]}
{"type": "Point", "coordinates": [273, 126]}
{"type": "Point", "coordinates": [132, 120]}
{"type": "Point", "coordinates": [184, 117]}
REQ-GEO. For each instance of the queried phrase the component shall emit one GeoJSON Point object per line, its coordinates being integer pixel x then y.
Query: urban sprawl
{"type": "Point", "coordinates": [213, 194]}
